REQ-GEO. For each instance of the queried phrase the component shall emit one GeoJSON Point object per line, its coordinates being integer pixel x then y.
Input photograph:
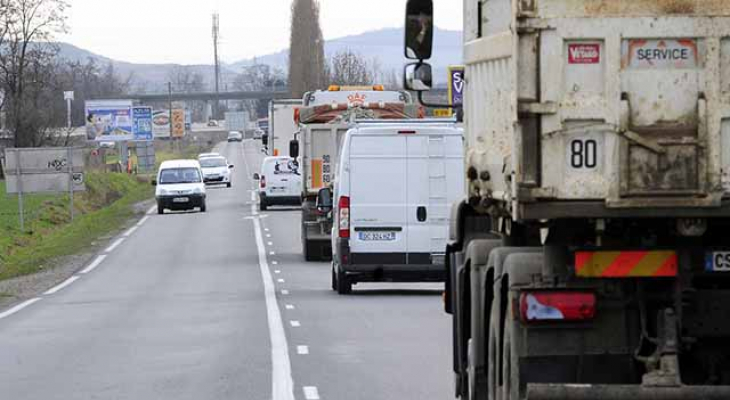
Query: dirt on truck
{"type": "Point", "coordinates": [589, 259]}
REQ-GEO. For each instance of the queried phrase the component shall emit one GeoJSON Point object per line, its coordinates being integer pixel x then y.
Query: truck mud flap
{"type": "Point", "coordinates": [625, 392]}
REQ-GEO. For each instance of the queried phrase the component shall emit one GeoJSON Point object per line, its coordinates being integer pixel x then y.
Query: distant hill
{"type": "Point", "coordinates": [385, 46]}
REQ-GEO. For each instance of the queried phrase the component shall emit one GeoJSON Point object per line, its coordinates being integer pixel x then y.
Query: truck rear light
{"type": "Point", "coordinates": [557, 306]}
{"type": "Point", "coordinates": [344, 217]}
{"type": "Point", "coordinates": [263, 182]}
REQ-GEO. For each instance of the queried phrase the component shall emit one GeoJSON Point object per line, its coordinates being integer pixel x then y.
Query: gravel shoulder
{"type": "Point", "coordinates": [19, 289]}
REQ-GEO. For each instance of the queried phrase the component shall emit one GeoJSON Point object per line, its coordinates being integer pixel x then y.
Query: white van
{"type": "Point", "coordinates": [392, 200]}
{"type": "Point", "coordinates": [180, 186]}
{"type": "Point", "coordinates": [280, 182]}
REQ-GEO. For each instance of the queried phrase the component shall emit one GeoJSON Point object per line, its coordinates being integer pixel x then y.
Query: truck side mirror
{"type": "Point", "coordinates": [418, 77]}
{"type": "Point", "coordinates": [419, 29]}
{"type": "Point", "coordinates": [294, 149]}
{"type": "Point", "coordinates": [324, 200]}
{"type": "Point", "coordinates": [256, 177]}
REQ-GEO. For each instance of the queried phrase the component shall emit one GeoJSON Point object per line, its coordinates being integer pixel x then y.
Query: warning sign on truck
{"type": "Point", "coordinates": [660, 53]}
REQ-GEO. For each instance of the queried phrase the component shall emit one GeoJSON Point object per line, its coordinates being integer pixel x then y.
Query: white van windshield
{"type": "Point", "coordinates": [172, 176]}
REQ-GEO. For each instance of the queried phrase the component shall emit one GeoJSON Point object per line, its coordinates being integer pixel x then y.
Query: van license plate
{"type": "Point", "coordinates": [376, 236]}
{"type": "Point", "coordinates": [718, 261]}
{"type": "Point", "coordinates": [180, 200]}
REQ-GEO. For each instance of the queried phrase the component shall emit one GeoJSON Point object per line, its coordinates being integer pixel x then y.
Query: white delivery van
{"type": "Point", "coordinates": [392, 198]}
{"type": "Point", "coordinates": [180, 186]}
{"type": "Point", "coordinates": [280, 182]}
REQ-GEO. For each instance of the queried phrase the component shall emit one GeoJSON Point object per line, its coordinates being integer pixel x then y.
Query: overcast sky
{"type": "Point", "coordinates": [179, 31]}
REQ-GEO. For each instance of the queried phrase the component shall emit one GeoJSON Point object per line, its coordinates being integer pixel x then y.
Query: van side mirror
{"type": "Point", "coordinates": [153, 182]}
{"type": "Point", "coordinates": [256, 177]}
{"type": "Point", "coordinates": [294, 149]}
{"type": "Point", "coordinates": [419, 29]}
{"type": "Point", "coordinates": [324, 200]}
{"type": "Point", "coordinates": [418, 77]}
{"type": "Point", "coordinates": [230, 166]}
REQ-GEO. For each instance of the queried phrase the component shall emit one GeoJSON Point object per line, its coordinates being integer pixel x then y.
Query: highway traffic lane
{"type": "Point", "coordinates": [385, 341]}
{"type": "Point", "coordinates": [175, 311]}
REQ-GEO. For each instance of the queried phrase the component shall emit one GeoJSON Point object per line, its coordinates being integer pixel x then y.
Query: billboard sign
{"type": "Point", "coordinates": [109, 120]}
{"type": "Point", "coordinates": [142, 119]}
{"type": "Point", "coordinates": [44, 170]}
{"type": "Point", "coordinates": [178, 123]}
{"type": "Point", "coordinates": [456, 85]}
{"type": "Point", "coordinates": [161, 123]}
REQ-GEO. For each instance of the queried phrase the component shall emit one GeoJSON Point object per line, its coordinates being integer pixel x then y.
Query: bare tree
{"type": "Point", "coordinates": [26, 52]}
{"type": "Point", "coordinates": [349, 68]}
{"type": "Point", "coordinates": [306, 48]}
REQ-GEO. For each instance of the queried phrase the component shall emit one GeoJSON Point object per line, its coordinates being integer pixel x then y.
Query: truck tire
{"type": "Point", "coordinates": [477, 389]}
{"type": "Point", "coordinates": [309, 249]}
{"type": "Point", "coordinates": [344, 285]}
{"type": "Point", "coordinates": [334, 278]}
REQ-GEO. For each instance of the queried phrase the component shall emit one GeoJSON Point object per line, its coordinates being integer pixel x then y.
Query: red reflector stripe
{"type": "Point", "coordinates": [625, 264]}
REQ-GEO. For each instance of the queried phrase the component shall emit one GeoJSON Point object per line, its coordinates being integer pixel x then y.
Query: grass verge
{"type": "Point", "coordinates": [50, 233]}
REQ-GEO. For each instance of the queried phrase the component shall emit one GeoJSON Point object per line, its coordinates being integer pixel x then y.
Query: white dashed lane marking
{"type": "Point", "coordinates": [62, 285]}
{"type": "Point", "coordinates": [289, 307]}
{"type": "Point", "coordinates": [311, 393]}
{"type": "Point", "coordinates": [295, 324]}
{"type": "Point", "coordinates": [302, 350]}
{"type": "Point", "coordinates": [284, 292]}
{"type": "Point", "coordinates": [19, 307]}
{"type": "Point", "coordinates": [94, 264]}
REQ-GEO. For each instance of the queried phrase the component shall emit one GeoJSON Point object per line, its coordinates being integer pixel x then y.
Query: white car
{"type": "Point", "coordinates": [235, 136]}
{"type": "Point", "coordinates": [179, 186]}
{"type": "Point", "coordinates": [216, 170]}
{"type": "Point", "coordinates": [206, 155]}
{"type": "Point", "coordinates": [280, 182]}
{"type": "Point", "coordinates": [391, 202]}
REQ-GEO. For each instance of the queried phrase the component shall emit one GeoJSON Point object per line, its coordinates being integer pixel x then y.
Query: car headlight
{"type": "Point", "coordinates": [163, 192]}
{"type": "Point", "coordinates": [198, 191]}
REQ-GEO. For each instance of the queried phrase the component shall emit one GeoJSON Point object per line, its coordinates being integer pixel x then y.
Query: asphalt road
{"type": "Point", "coordinates": [221, 305]}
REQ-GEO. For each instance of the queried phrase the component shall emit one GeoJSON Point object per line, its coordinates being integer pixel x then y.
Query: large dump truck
{"type": "Point", "coordinates": [324, 118]}
{"type": "Point", "coordinates": [591, 256]}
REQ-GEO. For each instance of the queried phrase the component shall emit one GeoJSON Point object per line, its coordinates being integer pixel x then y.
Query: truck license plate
{"type": "Point", "coordinates": [376, 236]}
{"type": "Point", "coordinates": [718, 261]}
{"type": "Point", "coordinates": [180, 200]}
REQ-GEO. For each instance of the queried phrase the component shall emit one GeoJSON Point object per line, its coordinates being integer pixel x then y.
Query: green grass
{"type": "Point", "coordinates": [50, 233]}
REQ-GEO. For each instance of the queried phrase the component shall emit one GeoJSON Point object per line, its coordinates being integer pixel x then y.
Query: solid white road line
{"type": "Point", "coordinates": [62, 285]}
{"type": "Point", "coordinates": [114, 245]}
{"type": "Point", "coordinates": [289, 307]}
{"type": "Point", "coordinates": [19, 307]}
{"type": "Point", "coordinates": [282, 385]}
{"type": "Point", "coordinates": [295, 324]}
{"type": "Point", "coordinates": [152, 209]}
{"type": "Point", "coordinates": [94, 264]}
{"type": "Point", "coordinates": [130, 231]}
{"type": "Point", "coordinates": [311, 393]}
{"type": "Point", "coordinates": [302, 350]}
{"type": "Point", "coordinates": [143, 220]}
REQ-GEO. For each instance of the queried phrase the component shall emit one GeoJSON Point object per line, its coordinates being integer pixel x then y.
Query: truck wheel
{"type": "Point", "coordinates": [344, 285]}
{"type": "Point", "coordinates": [511, 381]}
{"type": "Point", "coordinates": [309, 253]}
{"type": "Point", "coordinates": [334, 278]}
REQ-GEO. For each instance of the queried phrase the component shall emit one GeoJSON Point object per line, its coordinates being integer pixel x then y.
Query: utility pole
{"type": "Point", "coordinates": [216, 63]}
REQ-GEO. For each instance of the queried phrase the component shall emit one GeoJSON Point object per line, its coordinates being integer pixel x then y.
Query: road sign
{"type": "Point", "coordinates": [44, 170]}
{"type": "Point", "coordinates": [68, 95]}
{"type": "Point", "coordinates": [456, 85]}
{"type": "Point", "coordinates": [161, 123]}
{"type": "Point", "coordinates": [442, 112]}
